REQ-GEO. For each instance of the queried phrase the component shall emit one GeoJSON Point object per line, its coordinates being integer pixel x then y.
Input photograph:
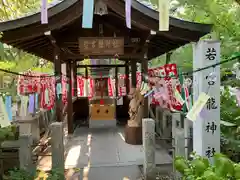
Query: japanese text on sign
{"type": "Point", "coordinates": [212, 121]}
{"type": "Point", "coordinates": [101, 46]}
{"type": "Point", "coordinates": [211, 54]}
{"type": "Point", "coordinates": [210, 152]}
{"type": "Point", "coordinates": [211, 127]}
{"type": "Point", "coordinates": [206, 127]}
{"type": "Point", "coordinates": [211, 104]}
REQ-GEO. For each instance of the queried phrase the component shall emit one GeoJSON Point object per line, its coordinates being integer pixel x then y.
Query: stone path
{"type": "Point", "coordinates": [102, 154]}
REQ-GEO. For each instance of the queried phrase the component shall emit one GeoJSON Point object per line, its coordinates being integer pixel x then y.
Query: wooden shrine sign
{"type": "Point", "coordinates": [101, 45]}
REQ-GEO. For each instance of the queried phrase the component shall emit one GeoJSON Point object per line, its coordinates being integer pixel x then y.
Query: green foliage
{"type": "Point", "coordinates": [56, 174]}
{"type": "Point", "coordinates": [223, 14]}
{"type": "Point", "coordinates": [200, 169]}
{"type": "Point", "coordinates": [20, 61]}
{"type": "Point", "coordinates": [230, 112]}
{"type": "Point", "coordinates": [20, 174]}
{"type": "Point", "coordinates": [8, 133]}
{"type": "Point", "coordinates": [229, 109]}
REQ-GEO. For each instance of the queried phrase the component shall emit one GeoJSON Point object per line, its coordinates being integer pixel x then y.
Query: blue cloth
{"type": "Point", "coordinates": [87, 18]}
{"type": "Point", "coordinates": [8, 105]}
{"type": "Point", "coordinates": [31, 104]}
{"type": "Point", "coordinates": [36, 101]}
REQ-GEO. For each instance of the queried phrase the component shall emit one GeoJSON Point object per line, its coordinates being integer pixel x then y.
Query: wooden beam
{"type": "Point", "coordinates": [55, 45]}
{"type": "Point", "coordinates": [122, 57]}
{"type": "Point", "coordinates": [101, 65]}
{"type": "Point", "coordinates": [53, 41]}
{"type": "Point", "coordinates": [143, 45]}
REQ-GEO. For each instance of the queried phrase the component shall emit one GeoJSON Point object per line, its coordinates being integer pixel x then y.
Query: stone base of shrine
{"type": "Point", "coordinates": [133, 135]}
{"type": "Point", "coordinates": [102, 123]}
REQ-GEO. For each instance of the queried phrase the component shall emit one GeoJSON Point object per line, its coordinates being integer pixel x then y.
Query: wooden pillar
{"type": "Point", "coordinates": [145, 79]}
{"type": "Point", "coordinates": [127, 77]}
{"type": "Point", "coordinates": [116, 81]}
{"type": "Point", "coordinates": [69, 99]}
{"type": "Point", "coordinates": [86, 82]}
{"type": "Point", "coordinates": [57, 69]}
{"type": "Point", "coordinates": [133, 74]}
{"type": "Point", "coordinates": [74, 72]}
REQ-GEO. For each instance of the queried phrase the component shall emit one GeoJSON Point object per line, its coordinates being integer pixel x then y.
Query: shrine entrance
{"type": "Point", "coordinates": [64, 41]}
{"type": "Point", "coordinates": [102, 104]}
{"type": "Point", "coordinates": [102, 88]}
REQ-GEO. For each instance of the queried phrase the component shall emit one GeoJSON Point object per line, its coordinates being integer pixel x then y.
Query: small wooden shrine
{"type": "Point", "coordinates": [63, 40]}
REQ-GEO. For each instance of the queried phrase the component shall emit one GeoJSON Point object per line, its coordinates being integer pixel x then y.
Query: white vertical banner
{"type": "Point", "coordinates": [163, 6]}
{"type": "Point", "coordinates": [206, 128]}
{"type": "Point", "coordinates": [86, 87]}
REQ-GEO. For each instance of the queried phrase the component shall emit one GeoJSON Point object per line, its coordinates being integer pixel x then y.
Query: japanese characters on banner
{"type": "Point", "coordinates": [206, 127]}
{"type": "Point", "coordinates": [45, 86]}
{"type": "Point", "coordinates": [169, 80]}
{"type": "Point", "coordinates": [81, 83]}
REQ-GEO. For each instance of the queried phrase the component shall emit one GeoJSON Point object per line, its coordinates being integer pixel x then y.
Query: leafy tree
{"type": "Point", "coordinates": [223, 14]}
{"type": "Point", "coordinates": [14, 59]}
{"type": "Point", "coordinates": [199, 168]}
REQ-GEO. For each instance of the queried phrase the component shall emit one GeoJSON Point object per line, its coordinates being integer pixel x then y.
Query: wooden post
{"type": "Point", "coordinates": [127, 77]}
{"type": "Point", "coordinates": [69, 99]}
{"type": "Point", "coordinates": [133, 74]}
{"type": "Point", "coordinates": [148, 132]}
{"type": "Point", "coordinates": [116, 81]}
{"type": "Point", "coordinates": [25, 152]}
{"type": "Point", "coordinates": [57, 69]}
{"type": "Point", "coordinates": [145, 79]}
{"type": "Point", "coordinates": [57, 146]}
{"type": "Point", "coordinates": [74, 73]}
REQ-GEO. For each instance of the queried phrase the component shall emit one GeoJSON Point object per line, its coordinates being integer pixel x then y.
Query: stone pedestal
{"type": "Point", "coordinates": [29, 125]}
{"type": "Point", "coordinates": [149, 166]}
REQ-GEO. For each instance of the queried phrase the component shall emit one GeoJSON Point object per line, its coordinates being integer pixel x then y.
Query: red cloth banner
{"type": "Point", "coordinates": [39, 85]}
{"type": "Point", "coordinates": [169, 73]}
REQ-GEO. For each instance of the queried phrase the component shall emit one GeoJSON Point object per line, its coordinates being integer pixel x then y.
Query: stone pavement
{"type": "Point", "coordinates": [102, 154]}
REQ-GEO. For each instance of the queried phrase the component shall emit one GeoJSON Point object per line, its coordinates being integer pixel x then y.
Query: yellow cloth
{"type": "Point", "coordinates": [163, 7]}
{"type": "Point", "coordinates": [4, 119]}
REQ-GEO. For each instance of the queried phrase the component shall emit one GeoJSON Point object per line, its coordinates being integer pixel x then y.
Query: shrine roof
{"type": "Point", "coordinates": [27, 33]}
